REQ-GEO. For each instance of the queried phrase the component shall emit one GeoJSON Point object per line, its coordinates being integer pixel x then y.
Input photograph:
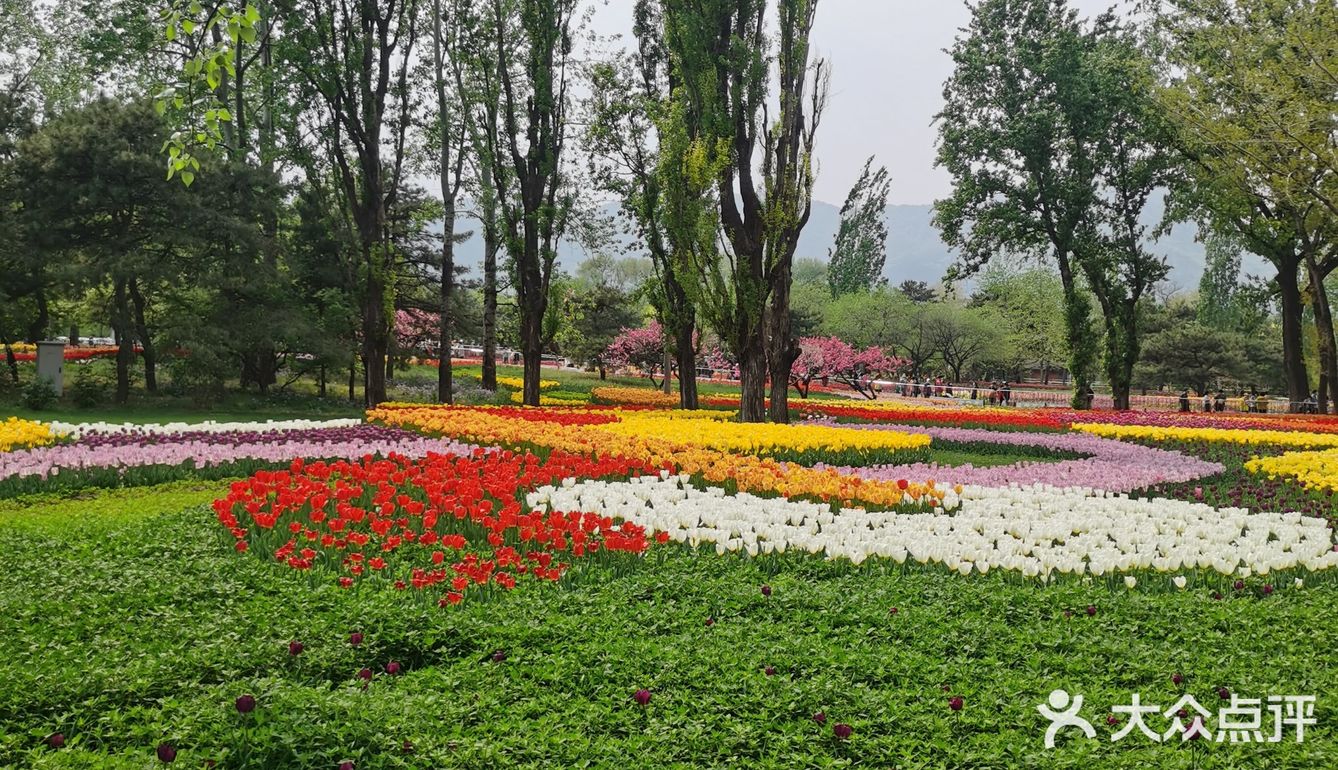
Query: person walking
{"type": "Point", "coordinates": [1006, 393]}
{"type": "Point", "coordinates": [1207, 401]}
{"type": "Point", "coordinates": [1184, 400]}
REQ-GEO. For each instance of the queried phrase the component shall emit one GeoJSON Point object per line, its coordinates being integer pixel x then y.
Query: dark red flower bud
{"type": "Point", "coordinates": [1223, 693]}
{"type": "Point", "coordinates": [167, 754]}
{"type": "Point", "coordinates": [246, 704]}
{"type": "Point", "coordinates": [1111, 719]}
{"type": "Point", "coordinates": [842, 730]}
{"type": "Point", "coordinates": [55, 740]}
{"type": "Point", "coordinates": [1177, 678]}
{"type": "Point", "coordinates": [355, 638]}
{"type": "Point", "coordinates": [1268, 589]}
{"type": "Point", "coordinates": [1091, 610]}
{"type": "Point", "coordinates": [955, 703]}
{"type": "Point", "coordinates": [769, 670]}
{"type": "Point", "coordinates": [766, 590]}
{"type": "Point", "coordinates": [393, 667]}
{"type": "Point", "coordinates": [365, 674]}
{"type": "Point", "coordinates": [642, 697]}
{"type": "Point", "coordinates": [295, 648]}
{"type": "Point", "coordinates": [820, 718]}
{"type": "Point", "coordinates": [499, 656]}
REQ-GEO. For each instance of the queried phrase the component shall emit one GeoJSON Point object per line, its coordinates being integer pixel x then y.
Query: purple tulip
{"type": "Point", "coordinates": [295, 648]}
{"type": "Point", "coordinates": [167, 754]}
{"type": "Point", "coordinates": [1091, 610]}
{"type": "Point", "coordinates": [842, 730]}
{"type": "Point", "coordinates": [355, 638]}
{"type": "Point", "coordinates": [1177, 678]}
{"type": "Point", "coordinates": [820, 718]}
{"type": "Point", "coordinates": [766, 590]}
{"type": "Point", "coordinates": [769, 670]}
{"type": "Point", "coordinates": [56, 740]}
{"type": "Point", "coordinates": [365, 675]}
{"type": "Point", "coordinates": [246, 704]}
{"type": "Point", "coordinates": [392, 668]}
{"type": "Point", "coordinates": [345, 766]}
{"type": "Point", "coordinates": [955, 703]}
{"type": "Point", "coordinates": [642, 697]}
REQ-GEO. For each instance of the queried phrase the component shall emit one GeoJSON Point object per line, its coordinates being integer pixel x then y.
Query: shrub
{"type": "Point", "coordinates": [89, 389]}
{"type": "Point", "coordinates": [39, 394]}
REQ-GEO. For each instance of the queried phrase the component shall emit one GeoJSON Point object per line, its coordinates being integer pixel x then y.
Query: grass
{"type": "Point", "coordinates": [123, 624]}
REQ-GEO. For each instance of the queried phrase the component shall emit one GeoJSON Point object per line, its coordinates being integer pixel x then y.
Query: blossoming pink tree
{"type": "Point", "coordinates": [833, 358]}
{"type": "Point", "coordinates": [640, 348]}
{"type": "Point", "coordinates": [417, 330]}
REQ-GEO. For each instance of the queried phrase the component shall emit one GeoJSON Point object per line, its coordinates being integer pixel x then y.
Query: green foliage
{"type": "Point", "coordinates": [860, 251]}
{"type": "Point", "coordinates": [39, 394]}
{"type": "Point", "coordinates": [90, 389]}
{"type": "Point", "coordinates": [172, 627]}
{"type": "Point", "coordinates": [1029, 306]}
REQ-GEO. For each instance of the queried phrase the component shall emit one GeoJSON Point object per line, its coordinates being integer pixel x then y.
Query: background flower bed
{"type": "Point", "coordinates": [124, 633]}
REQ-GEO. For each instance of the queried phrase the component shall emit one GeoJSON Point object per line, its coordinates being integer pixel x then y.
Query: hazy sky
{"type": "Point", "coordinates": [888, 67]}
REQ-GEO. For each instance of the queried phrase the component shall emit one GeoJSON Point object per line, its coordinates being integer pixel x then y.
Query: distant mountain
{"type": "Point", "coordinates": [914, 249]}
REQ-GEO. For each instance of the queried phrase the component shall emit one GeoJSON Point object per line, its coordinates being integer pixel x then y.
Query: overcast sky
{"type": "Point", "coordinates": [888, 67]}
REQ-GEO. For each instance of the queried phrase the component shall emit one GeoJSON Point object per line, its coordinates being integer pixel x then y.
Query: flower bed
{"type": "Point", "coordinates": [1315, 470]}
{"type": "Point", "coordinates": [636, 397]}
{"type": "Point", "coordinates": [448, 525]}
{"type": "Point", "coordinates": [1110, 465]}
{"type": "Point", "coordinates": [577, 432]}
{"type": "Point", "coordinates": [1294, 439]}
{"type": "Point", "coordinates": [77, 430]}
{"type": "Point", "coordinates": [22, 434]}
{"type": "Point", "coordinates": [518, 383]}
{"type": "Point", "coordinates": [1037, 531]}
{"type": "Point", "coordinates": [108, 459]}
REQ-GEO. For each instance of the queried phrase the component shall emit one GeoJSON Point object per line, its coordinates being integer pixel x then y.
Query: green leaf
{"type": "Point", "coordinates": [188, 26]}
{"type": "Point", "coordinates": [248, 34]}
{"type": "Point", "coordinates": [171, 32]}
{"type": "Point", "coordinates": [187, 177]}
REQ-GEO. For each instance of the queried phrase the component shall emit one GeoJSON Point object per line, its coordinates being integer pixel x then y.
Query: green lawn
{"type": "Point", "coordinates": [124, 623]}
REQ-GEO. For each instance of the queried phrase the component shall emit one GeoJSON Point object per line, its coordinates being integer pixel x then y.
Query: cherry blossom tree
{"type": "Point", "coordinates": [640, 348]}
{"type": "Point", "coordinates": [833, 358]}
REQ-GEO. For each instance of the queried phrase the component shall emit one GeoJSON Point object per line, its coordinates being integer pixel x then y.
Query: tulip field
{"type": "Point", "coordinates": [610, 581]}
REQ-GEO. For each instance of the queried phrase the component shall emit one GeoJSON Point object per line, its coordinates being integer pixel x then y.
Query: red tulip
{"type": "Point", "coordinates": [769, 670]}
{"type": "Point", "coordinates": [820, 718]}
{"type": "Point", "coordinates": [498, 656]}
{"type": "Point", "coordinates": [1223, 693]}
{"type": "Point", "coordinates": [642, 697]}
{"type": "Point", "coordinates": [345, 766]}
{"type": "Point", "coordinates": [1268, 589]}
{"type": "Point", "coordinates": [710, 621]}
{"type": "Point", "coordinates": [245, 704]}
{"type": "Point", "coordinates": [1239, 585]}
{"type": "Point", "coordinates": [1111, 719]}
{"type": "Point", "coordinates": [392, 668]}
{"type": "Point", "coordinates": [1091, 610]}
{"type": "Point", "coordinates": [766, 590]}
{"type": "Point", "coordinates": [893, 611]}
{"type": "Point", "coordinates": [55, 740]}
{"type": "Point", "coordinates": [295, 648]}
{"type": "Point", "coordinates": [842, 730]}
{"type": "Point", "coordinates": [1177, 678]}
{"type": "Point", "coordinates": [355, 638]}
{"type": "Point", "coordinates": [167, 754]}
{"type": "Point", "coordinates": [365, 674]}
{"type": "Point", "coordinates": [955, 703]}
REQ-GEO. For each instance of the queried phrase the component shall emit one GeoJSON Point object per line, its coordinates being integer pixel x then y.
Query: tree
{"type": "Point", "coordinates": [860, 251]}
{"type": "Point", "coordinates": [640, 348]}
{"type": "Point", "coordinates": [96, 203]}
{"type": "Point", "coordinates": [918, 292]}
{"type": "Point", "coordinates": [363, 113]}
{"type": "Point", "coordinates": [1220, 284]}
{"type": "Point", "coordinates": [1249, 87]}
{"type": "Point", "coordinates": [719, 54]}
{"type": "Point", "coordinates": [533, 109]}
{"type": "Point", "coordinates": [961, 337]}
{"type": "Point", "coordinates": [832, 358]}
{"type": "Point", "coordinates": [1194, 356]}
{"type": "Point", "coordinates": [1017, 138]}
{"type": "Point", "coordinates": [1029, 307]}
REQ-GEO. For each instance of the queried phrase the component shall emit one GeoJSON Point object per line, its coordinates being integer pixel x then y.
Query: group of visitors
{"type": "Point", "coordinates": [998, 393]}
{"type": "Point", "coordinates": [932, 387]}
{"type": "Point", "coordinates": [1251, 401]}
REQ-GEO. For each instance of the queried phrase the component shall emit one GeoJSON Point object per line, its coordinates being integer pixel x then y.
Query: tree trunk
{"type": "Point", "coordinates": [352, 379]}
{"type": "Point", "coordinates": [752, 380]}
{"type": "Point", "coordinates": [1077, 331]}
{"type": "Point", "coordinates": [531, 332]}
{"type": "Point", "coordinates": [1293, 353]}
{"type": "Point", "coordinates": [489, 379]}
{"type": "Point", "coordinates": [150, 354]}
{"type": "Point", "coordinates": [374, 337]}
{"type": "Point", "coordinates": [667, 366]}
{"type": "Point", "coordinates": [687, 365]}
{"type": "Point", "coordinates": [321, 381]}
{"type": "Point", "coordinates": [125, 351]}
{"type": "Point", "coordinates": [12, 361]}
{"type": "Point", "coordinates": [1324, 337]}
{"type": "Point", "coordinates": [782, 349]}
